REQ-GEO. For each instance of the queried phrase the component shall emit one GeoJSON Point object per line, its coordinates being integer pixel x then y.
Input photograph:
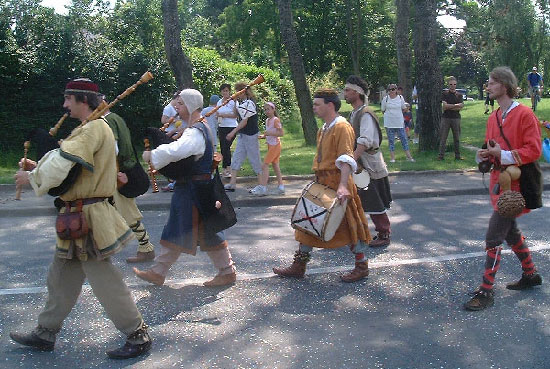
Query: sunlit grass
{"type": "Point", "coordinates": [297, 158]}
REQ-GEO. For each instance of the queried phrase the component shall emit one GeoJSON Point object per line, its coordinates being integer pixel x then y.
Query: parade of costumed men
{"type": "Point", "coordinates": [89, 228]}
{"type": "Point", "coordinates": [333, 165]}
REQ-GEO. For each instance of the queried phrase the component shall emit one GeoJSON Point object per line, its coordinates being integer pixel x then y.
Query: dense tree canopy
{"type": "Point", "coordinates": [232, 40]}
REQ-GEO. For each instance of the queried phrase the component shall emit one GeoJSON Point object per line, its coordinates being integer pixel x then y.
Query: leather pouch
{"type": "Point", "coordinates": [71, 225]}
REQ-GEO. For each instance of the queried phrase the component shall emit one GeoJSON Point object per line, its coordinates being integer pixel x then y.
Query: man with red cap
{"type": "Point", "coordinates": [87, 160]}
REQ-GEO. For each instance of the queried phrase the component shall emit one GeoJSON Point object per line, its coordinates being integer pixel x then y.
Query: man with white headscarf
{"type": "Point", "coordinates": [376, 198]}
{"type": "Point", "coordinates": [185, 229]}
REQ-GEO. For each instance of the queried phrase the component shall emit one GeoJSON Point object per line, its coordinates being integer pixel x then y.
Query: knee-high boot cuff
{"type": "Point", "coordinates": [302, 257]}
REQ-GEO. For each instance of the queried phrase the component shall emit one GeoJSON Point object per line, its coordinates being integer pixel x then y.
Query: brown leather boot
{"type": "Point", "coordinates": [141, 257]}
{"type": "Point", "coordinates": [298, 267]}
{"type": "Point", "coordinates": [360, 271]}
{"type": "Point", "coordinates": [381, 240]}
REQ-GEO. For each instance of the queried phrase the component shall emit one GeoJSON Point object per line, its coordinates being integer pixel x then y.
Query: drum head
{"type": "Point", "coordinates": [362, 179]}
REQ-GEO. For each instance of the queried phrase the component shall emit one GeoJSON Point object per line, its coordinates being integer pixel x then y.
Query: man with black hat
{"type": "Point", "coordinates": [90, 152]}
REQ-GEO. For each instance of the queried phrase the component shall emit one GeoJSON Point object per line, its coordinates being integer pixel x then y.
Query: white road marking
{"type": "Point", "coordinates": [248, 277]}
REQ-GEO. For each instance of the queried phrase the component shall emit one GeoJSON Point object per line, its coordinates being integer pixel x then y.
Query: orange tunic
{"type": "Point", "coordinates": [336, 141]}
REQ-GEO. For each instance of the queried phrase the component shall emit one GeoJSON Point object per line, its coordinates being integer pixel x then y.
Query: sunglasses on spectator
{"type": "Point", "coordinates": [392, 89]}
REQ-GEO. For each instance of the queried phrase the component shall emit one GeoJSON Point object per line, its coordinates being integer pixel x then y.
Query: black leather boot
{"type": "Point", "coordinates": [32, 340]}
{"type": "Point", "coordinates": [132, 349]}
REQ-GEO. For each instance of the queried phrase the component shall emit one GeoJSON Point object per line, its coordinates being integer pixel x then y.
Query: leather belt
{"type": "Point", "coordinates": [196, 177]}
{"type": "Point", "coordinates": [86, 201]}
{"type": "Point", "coordinates": [201, 177]}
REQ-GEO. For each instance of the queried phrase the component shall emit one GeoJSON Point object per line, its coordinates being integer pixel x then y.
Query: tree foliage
{"type": "Point", "coordinates": [41, 50]}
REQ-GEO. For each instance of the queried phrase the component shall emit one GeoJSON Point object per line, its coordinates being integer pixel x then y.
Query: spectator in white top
{"type": "Point", "coordinates": [170, 115]}
{"type": "Point", "coordinates": [227, 121]}
{"type": "Point", "coordinates": [392, 107]}
{"type": "Point", "coordinates": [212, 120]}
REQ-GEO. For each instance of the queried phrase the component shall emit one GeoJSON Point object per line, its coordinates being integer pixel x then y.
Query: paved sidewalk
{"type": "Point", "coordinates": [404, 185]}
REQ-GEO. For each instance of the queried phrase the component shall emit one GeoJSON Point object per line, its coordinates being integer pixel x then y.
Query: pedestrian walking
{"type": "Point", "coordinates": [272, 134]}
{"type": "Point", "coordinates": [85, 254]}
{"type": "Point", "coordinates": [185, 229]}
{"type": "Point", "coordinates": [376, 198]}
{"type": "Point", "coordinates": [512, 139]}
{"type": "Point", "coordinates": [333, 165]}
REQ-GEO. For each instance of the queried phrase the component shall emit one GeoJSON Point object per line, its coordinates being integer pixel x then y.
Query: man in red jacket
{"type": "Point", "coordinates": [513, 137]}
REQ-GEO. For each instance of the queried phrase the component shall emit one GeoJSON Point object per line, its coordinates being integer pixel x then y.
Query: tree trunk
{"type": "Point", "coordinates": [353, 37]}
{"type": "Point", "coordinates": [428, 74]}
{"type": "Point", "coordinates": [403, 47]}
{"type": "Point", "coordinates": [178, 61]}
{"type": "Point", "coordinates": [309, 125]}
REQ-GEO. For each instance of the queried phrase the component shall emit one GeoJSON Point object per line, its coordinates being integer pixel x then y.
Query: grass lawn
{"type": "Point", "coordinates": [297, 158]}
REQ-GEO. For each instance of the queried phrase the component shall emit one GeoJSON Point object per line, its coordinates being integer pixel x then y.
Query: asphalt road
{"type": "Point", "coordinates": [407, 314]}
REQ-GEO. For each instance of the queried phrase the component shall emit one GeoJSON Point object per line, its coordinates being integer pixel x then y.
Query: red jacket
{"type": "Point", "coordinates": [521, 128]}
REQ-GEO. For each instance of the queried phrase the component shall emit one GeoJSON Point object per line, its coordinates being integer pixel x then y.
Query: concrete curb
{"type": "Point", "coordinates": [405, 185]}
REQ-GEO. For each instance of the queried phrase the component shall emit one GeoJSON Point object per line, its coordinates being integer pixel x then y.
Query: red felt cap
{"type": "Point", "coordinates": [81, 85]}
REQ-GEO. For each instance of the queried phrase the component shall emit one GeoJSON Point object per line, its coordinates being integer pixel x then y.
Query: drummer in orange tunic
{"type": "Point", "coordinates": [333, 165]}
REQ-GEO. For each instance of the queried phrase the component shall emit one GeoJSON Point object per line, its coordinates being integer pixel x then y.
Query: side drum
{"type": "Point", "coordinates": [318, 212]}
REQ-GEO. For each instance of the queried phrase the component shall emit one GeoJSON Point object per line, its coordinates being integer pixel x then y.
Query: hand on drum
{"type": "Point", "coordinates": [343, 193]}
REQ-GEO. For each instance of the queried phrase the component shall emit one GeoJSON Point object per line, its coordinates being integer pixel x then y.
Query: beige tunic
{"type": "Point", "coordinates": [93, 146]}
{"type": "Point", "coordinates": [338, 141]}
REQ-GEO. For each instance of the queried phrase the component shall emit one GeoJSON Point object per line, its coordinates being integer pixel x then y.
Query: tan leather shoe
{"type": "Point", "coordinates": [150, 276]}
{"type": "Point", "coordinates": [141, 257]}
{"type": "Point", "coordinates": [221, 280]}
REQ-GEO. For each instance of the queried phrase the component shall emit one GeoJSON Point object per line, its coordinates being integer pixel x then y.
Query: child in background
{"type": "Point", "coordinates": [213, 119]}
{"type": "Point", "coordinates": [273, 130]}
{"type": "Point", "coordinates": [408, 118]}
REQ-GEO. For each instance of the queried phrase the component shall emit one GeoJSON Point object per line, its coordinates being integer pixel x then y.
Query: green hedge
{"type": "Point", "coordinates": [39, 103]}
{"type": "Point", "coordinates": [210, 71]}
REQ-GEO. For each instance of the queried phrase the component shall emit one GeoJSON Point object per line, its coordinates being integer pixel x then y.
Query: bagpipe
{"type": "Point", "coordinates": [182, 168]}
{"type": "Point", "coordinates": [44, 141]}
